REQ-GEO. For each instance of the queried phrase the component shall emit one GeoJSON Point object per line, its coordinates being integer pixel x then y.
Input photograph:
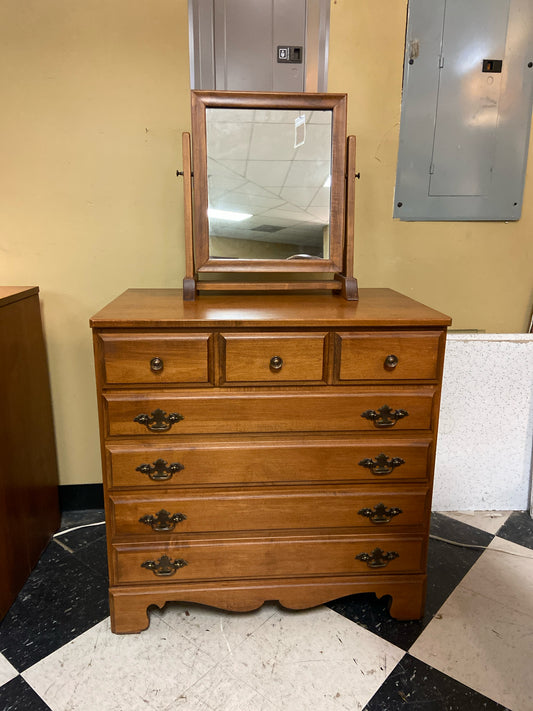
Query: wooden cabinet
{"type": "Point", "coordinates": [29, 508]}
{"type": "Point", "coordinates": [266, 448]}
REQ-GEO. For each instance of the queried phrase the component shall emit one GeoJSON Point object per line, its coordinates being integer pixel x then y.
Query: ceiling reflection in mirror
{"type": "Point", "coordinates": [268, 178]}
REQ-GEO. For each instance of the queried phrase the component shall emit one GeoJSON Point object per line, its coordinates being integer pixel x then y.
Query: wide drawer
{"type": "Point", "coordinates": [155, 358]}
{"type": "Point", "coordinates": [260, 558]}
{"type": "Point", "coordinates": [273, 357]}
{"type": "Point", "coordinates": [332, 409]}
{"type": "Point", "coordinates": [155, 465]}
{"type": "Point", "coordinates": [262, 509]}
{"type": "Point", "coordinates": [388, 355]}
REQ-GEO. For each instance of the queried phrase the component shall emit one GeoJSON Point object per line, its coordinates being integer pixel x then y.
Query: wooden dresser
{"type": "Point", "coordinates": [29, 505]}
{"type": "Point", "coordinates": [266, 447]}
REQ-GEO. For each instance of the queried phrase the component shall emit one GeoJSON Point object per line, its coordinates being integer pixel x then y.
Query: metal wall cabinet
{"type": "Point", "coordinates": [466, 110]}
{"type": "Point", "coordinates": [259, 45]}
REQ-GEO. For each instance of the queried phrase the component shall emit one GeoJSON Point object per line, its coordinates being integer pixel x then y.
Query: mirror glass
{"type": "Point", "coordinates": [268, 183]}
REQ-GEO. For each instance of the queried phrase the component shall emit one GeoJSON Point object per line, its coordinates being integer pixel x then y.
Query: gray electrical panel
{"type": "Point", "coordinates": [259, 45]}
{"type": "Point", "coordinates": [466, 110]}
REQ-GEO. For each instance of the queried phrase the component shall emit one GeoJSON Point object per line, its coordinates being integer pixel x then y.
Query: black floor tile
{"type": "Point", "coordinates": [62, 598]}
{"type": "Point", "coordinates": [81, 537]}
{"type": "Point", "coordinates": [415, 686]}
{"type": "Point", "coordinates": [94, 556]}
{"type": "Point", "coordinates": [447, 566]}
{"type": "Point", "coordinates": [448, 563]}
{"type": "Point", "coordinates": [518, 529]}
{"type": "Point", "coordinates": [17, 695]}
{"type": "Point", "coordinates": [80, 517]}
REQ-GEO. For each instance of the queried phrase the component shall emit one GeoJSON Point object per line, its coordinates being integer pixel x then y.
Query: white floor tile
{"type": "Point", "coordinates": [483, 635]}
{"type": "Point", "coordinates": [221, 691]}
{"type": "Point", "coordinates": [504, 573]}
{"type": "Point", "coordinates": [489, 521]}
{"type": "Point", "coordinates": [100, 670]}
{"type": "Point", "coordinates": [7, 670]}
{"type": "Point", "coordinates": [207, 660]}
{"type": "Point", "coordinates": [298, 660]}
{"type": "Point", "coordinates": [216, 632]}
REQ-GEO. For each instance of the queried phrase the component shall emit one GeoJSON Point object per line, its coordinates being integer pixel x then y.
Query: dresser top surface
{"type": "Point", "coordinates": [165, 308]}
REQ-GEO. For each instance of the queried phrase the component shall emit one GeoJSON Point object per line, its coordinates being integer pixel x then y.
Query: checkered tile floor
{"type": "Point", "coordinates": [473, 649]}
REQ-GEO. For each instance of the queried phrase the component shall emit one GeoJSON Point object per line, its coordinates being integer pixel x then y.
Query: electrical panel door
{"type": "Point", "coordinates": [259, 45]}
{"type": "Point", "coordinates": [466, 110]}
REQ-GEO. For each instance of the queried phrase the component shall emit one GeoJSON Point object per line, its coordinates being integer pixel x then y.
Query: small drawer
{"type": "Point", "coordinates": [237, 557]}
{"type": "Point", "coordinates": [275, 508]}
{"type": "Point", "coordinates": [273, 358]}
{"type": "Point", "coordinates": [155, 358]}
{"type": "Point", "coordinates": [388, 356]}
{"type": "Point", "coordinates": [330, 410]}
{"type": "Point", "coordinates": [378, 461]}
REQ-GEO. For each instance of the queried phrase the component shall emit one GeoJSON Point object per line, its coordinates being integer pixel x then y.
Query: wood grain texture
{"type": "Point", "coordinates": [218, 411]}
{"type": "Point", "coordinates": [29, 508]}
{"type": "Point", "coordinates": [269, 470]}
{"type": "Point", "coordinates": [187, 204]}
{"type": "Point", "coordinates": [266, 509]}
{"type": "Point", "coordinates": [362, 356]}
{"type": "Point", "coordinates": [129, 605]}
{"type": "Point", "coordinates": [165, 308]}
{"type": "Point", "coordinates": [250, 462]}
{"type": "Point", "coordinates": [247, 357]}
{"type": "Point", "coordinates": [226, 558]}
{"type": "Point", "coordinates": [127, 358]}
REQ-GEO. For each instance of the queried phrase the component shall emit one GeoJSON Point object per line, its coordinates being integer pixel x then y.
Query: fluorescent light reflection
{"type": "Point", "coordinates": [227, 215]}
{"type": "Point", "coordinates": [327, 183]}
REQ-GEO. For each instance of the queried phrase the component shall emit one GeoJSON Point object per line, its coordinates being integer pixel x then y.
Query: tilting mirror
{"type": "Point", "coordinates": [268, 193]}
{"type": "Point", "coordinates": [268, 183]}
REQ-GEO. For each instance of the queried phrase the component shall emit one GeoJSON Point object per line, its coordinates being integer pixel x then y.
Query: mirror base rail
{"type": "Point", "coordinates": [346, 286]}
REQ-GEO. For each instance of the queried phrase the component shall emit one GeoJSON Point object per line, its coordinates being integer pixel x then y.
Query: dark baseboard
{"type": "Point", "coordinates": [73, 497]}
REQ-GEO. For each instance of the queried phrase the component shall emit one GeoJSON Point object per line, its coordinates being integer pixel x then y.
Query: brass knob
{"type": "Point", "coordinates": [156, 365]}
{"type": "Point", "coordinates": [391, 361]}
{"type": "Point", "coordinates": [276, 363]}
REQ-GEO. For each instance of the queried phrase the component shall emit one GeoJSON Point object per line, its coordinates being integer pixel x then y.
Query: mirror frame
{"type": "Point", "coordinates": [336, 103]}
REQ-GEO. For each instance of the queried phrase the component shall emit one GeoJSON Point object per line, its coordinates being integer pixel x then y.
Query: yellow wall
{"type": "Point", "coordinates": [95, 96]}
{"type": "Point", "coordinates": [94, 100]}
{"type": "Point", "coordinates": [479, 273]}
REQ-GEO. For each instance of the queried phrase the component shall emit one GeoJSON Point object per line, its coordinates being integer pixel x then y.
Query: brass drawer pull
{"type": "Point", "coordinates": [162, 521]}
{"type": "Point", "coordinates": [391, 361]}
{"type": "Point", "coordinates": [159, 421]}
{"type": "Point", "coordinates": [378, 558]}
{"type": "Point", "coordinates": [164, 566]}
{"type": "Point", "coordinates": [160, 470]}
{"type": "Point", "coordinates": [276, 363]}
{"type": "Point", "coordinates": [385, 416]}
{"type": "Point", "coordinates": [380, 514]}
{"type": "Point", "coordinates": [382, 464]}
{"type": "Point", "coordinates": [156, 365]}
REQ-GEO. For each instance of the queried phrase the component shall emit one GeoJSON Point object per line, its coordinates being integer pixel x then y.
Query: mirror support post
{"type": "Point", "coordinates": [349, 282]}
{"type": "Point", "coordinates": [189, 281]}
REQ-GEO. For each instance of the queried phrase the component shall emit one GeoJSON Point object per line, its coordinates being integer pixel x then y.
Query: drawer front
{"type": "Point", "coordinates": [376, 460]}
{"type": "Point", "coordinates": [388, 356]}
{"type": "Point", "coordinates": [155, 358]}
{"type": "Point", "coordinates": [262, 510]}
{"type": "Point", "coordinates": [273, 358]}
{"type": "Point", "coordinates": [266, 558]}
{"type": "Point", "coordinates": [138, 413]}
